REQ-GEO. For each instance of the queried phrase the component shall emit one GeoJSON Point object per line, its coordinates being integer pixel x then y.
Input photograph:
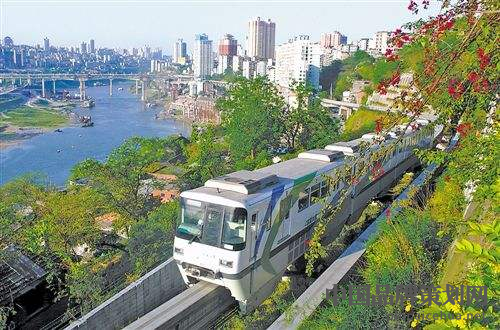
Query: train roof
{"type": "Point", "coordinates": [243, 188]}
{"type": "Point", "coordinates": [276, 175]}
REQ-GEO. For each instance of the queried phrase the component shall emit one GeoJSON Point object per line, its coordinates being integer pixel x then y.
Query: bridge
{"type": "Point", "coordinates": [346, 108]}
{"type": "Point", "coordinates": [43, 77]}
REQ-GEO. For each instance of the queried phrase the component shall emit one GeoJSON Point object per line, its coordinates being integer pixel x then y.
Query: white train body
{"type": "Point", "coordinates": [243, 230]}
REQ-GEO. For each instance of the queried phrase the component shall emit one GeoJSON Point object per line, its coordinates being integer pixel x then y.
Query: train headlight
{"type": "Point", "coordinates": [225, 263]}
{"type": "Point", "coordinates": [178, 250]}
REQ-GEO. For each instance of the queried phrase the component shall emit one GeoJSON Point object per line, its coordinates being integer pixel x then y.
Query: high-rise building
{"type": "Point", "coordinates": [46, 44]}
{"type": "Point", "coordinates": [8, 42]}
{"type": "Point", "coordinates": [83, 47]}
{"type": "Point", "coordinates": [298, 60]}
{"type": "Point", "coordinates": [333, 40]}
{"type": "Point", "coordinates": [363, 44]}
{"type": "Point", "coordinates": [228, 47]}
{"type": "Point", "coordinates": [92, 46]}
{"type": "Point", "coordinates": [180, 51]}
{"type": "Point", "coordinates": [202, 56]}
{"type": "Point", "coordinates": [261, 38]}
{"type": "Point", "coordinates": [379, 41]}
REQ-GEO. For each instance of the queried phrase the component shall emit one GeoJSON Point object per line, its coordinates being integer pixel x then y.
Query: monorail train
{"type": "Point", "coordinates": [242, 230]}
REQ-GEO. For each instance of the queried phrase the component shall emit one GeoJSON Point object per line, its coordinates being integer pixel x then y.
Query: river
{"type": "Point", "coordinates": [115, 118]}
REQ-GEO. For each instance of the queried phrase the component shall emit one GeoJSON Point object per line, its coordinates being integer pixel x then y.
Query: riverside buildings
{"type": "Point", "coordinates": [202, 56]}
{"type": "Point", "coordinates": [261, 39]}
{"type": "Point", "coordinates": [298, 60]}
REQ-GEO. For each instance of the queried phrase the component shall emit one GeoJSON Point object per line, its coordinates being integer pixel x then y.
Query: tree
{"type": "Point", "coordinates": [308, 124]}
{"type": "Point", "coordinates": [120, 179]}
{"type": "Point", "coordinates": [151, 240]}
{"type": "Point", "coordinates": [251, 116]}
{"type": "Point", "coordinates": [207, 157]}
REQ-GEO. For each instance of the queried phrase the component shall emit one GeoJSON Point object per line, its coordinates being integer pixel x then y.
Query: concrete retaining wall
{"type": "Point", "coordinates": [136, 300]}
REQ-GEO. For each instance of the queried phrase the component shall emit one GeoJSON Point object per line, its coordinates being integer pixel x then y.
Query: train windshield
{"type": "Point", "coordinates": [212, 224]}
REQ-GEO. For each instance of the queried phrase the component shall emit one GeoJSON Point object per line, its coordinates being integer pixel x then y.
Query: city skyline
{"type": "Point", "coordinates": [109, 22]}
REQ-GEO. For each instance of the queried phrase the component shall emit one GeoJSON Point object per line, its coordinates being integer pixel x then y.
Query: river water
{"type": "Point", "coordinates": [115, 118]}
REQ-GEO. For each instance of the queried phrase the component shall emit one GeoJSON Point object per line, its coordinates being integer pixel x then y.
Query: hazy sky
{"type": "Point", "coordinates": [158, 23]}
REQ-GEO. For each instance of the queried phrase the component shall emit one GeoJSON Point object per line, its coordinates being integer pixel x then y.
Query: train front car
{"type": "Point", "coordinates": [210, 242]}
{"type": "Point", "coordinates": [214, 241]}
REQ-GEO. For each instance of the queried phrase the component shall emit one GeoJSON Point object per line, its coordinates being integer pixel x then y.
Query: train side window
{"type": "Point", "coordinates": [303, 199]}
{"type": "Point", "coordinates": [324, 188]}
{"type": "Point", "coordinates": [315, 193]}
{"type": "Point", "coordinates": [285, 206]}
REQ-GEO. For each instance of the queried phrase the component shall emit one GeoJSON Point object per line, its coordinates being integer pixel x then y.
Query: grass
{"type": "Point", "coordinates": [33, 117]}
{"type": "Point", "coordinates": [362, 121]}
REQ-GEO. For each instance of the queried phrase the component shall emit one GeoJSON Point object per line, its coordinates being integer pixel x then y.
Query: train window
{"type": "Point", "coordinates": [315, 193]}
{"type": "Point", "coordinates": [303, 199]}
{"type": "Point", "coordinates": [324, 188]}
{"type": "Point", "coordinates": [234, 229]}
{"type": "Point", "coordinates": [285, 206]}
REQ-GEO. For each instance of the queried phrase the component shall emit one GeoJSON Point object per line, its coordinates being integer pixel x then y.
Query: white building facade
{"type": "Point", "coordinates": [298, 60]}
{"type": "Point", "coordinates": [202, 56]}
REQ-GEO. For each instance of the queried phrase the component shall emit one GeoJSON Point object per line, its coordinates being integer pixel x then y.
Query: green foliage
{"type": "Point", "coordinates": [251, 117]}
{"type": "Point", "coordinates": [308, 125]}
{"type": "Point", "coordinates": [346, 317]}
{"type": "Point", "coordinates": [277, 303]}
{"type": "Point", "coordinates": [329, 75]}
{"type": "Point", "coordinates": [119, 179]}
{"type": "Point", "coordinates": [398, 255]}
{"type": "Point", "coordinates": [362, 121]}
{"type": "Point", "coordinates": [151, 240]}
{"type": "Point", "coordinates": [207, 157]}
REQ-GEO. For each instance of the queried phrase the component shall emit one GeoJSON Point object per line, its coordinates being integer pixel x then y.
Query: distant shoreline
{"type": "Point", "coordinates": [55, 115]}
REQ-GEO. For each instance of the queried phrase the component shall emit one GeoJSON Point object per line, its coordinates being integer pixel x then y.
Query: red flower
{"type": "Point", "coordinates": [484, 60]}
{"type": "Point", "coordinates": [447, 178]}
{"type": "Point", "coordinates": [464, 129]}
{"type": "Point", "coordinates": [396, 77]}
{"type": "Point", "coordinates": [455, 89]}
{"type": "Point", "coordinates": [388, 213]}
{"type": "Point", "coordinates": [378, 125]}
{"type": "Point", "coordinates": [473, 77]}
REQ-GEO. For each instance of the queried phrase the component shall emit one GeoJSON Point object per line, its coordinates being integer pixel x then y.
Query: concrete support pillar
{"type": "Point", "coordinates": [111, 87]}
{"type": "Point", "coordinates": [137, 87]}
{"type": "Point", "coordinates": [143, 90]}
{"type": "Point", "coordinates": [82, 89]}
{"type": "Point", "coordinates": [54, 87]}
{"type": "Point", "coordinates": [43, 87]}
{"type": "Point", "coordinates": [13, 82]}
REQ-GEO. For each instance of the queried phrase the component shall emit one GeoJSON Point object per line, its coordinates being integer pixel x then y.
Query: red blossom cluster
{"type": "Point", "coordinates": [413, 7]}
{"type": "Point", "coordinates": [455, 89]}
{"type": "Point", "coordinates": [382, 87]}
{"type": "Point", "coordinates": [378, 126]}
{"type": "Point", "coordinates": [484, 59]}
{"type": "Point", "coordinates": [377, 171]}
{"type": "Point", "coordinates": [464, 128]}
{"type": "Point", "coordinates": [400, 38]}
{"type": "Point", "coordinates": [439, 24]}
{"type": "Point", "coordinates": [390, 55]}
{"type": "Point", "coordinates": [354, 181]}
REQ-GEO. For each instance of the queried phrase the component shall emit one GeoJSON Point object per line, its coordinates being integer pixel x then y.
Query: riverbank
{"type": "Point", "coordinates": [35, 117]}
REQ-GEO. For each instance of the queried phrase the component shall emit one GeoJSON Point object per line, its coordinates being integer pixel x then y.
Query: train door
{"type": "Point", "coordinates": [253, 233]}
{"type": "Point", "coordinates": [252, 238]}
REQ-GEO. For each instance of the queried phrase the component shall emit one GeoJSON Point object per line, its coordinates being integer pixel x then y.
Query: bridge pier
{"type": "Point", "coordinates": [54, 87]}
{"type": "Point", "coordinates": [43, 87]}
{"type": "Point", "coordinates": [82, 89]}
{"type": "Point", "coordinates": [143, 90]}
{"type": "Point", "coordinates": [110, 86]}
{"type": "Point", "coordinates": [136, 87]}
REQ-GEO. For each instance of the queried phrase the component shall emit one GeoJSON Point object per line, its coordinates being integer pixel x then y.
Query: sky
{"type": "Point", "coordinates": [158, 23]}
